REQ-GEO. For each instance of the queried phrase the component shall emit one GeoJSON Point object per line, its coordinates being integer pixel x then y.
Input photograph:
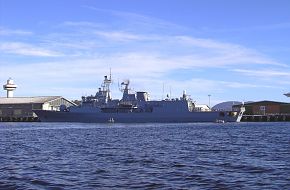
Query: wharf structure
{"type": "Point", "coordinates": [265, 111]}
{"type": "Point", "coordinates": [20, 108]}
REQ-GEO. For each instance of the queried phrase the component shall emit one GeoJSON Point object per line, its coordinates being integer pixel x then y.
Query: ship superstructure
{"type": "Point", "coordinates": [134, 107]}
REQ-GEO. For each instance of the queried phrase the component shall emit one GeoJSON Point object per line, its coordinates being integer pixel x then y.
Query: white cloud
{"type": "Point", "coordinates": [82, 24]}
{"type": "Point", "coordinates": [10, 32]}
{"type": "Point", "coordinates": [263, 73]}
{"type": "Point", "coordinates": [226, 53]}
{"type": "Point", "coordinates": [275, 26]}
{"type": "Point", "coordinates": [245, 85]}
{"type": "Point", "coordinates": [26, 49]}
{"type": "Point", "coordinates": [119, 36]}
{"type": "Point", "coordinates": [139, 21]}
{"type": "Point", "coordinates": [148, 58]}
{"type": "Point", "coordinates": [186, 51]}
{"type": "Point", "coordinates": [206, 43]}
{"type": "Point", "coordinates": [146, 71]}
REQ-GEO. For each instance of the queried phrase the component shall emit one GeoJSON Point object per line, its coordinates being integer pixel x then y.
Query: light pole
{"type": "Point", "coordinates": [209, 100]}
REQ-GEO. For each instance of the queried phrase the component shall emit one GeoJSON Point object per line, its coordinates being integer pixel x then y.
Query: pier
{"type": "Point", "coordinates": [266, 118]}
{"type": "Point", "coordinates": [19, 119]}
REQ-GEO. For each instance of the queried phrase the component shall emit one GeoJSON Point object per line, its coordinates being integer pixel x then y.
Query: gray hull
{"type": "Point", "coordinates": [134, 108]}
{"type": "Point", "coordinates": [97, 117]}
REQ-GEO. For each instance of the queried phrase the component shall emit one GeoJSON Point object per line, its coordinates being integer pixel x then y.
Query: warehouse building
{"type": "Point", "coordinates": [265, 111]}
{"type": "Point", "coordinates": [266, 108]}
{"type": "Point", "coordinates": [21, 108]}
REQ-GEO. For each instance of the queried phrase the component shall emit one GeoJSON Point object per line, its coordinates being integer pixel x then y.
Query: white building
{"type": "Point", "coordinates": [9, 87]}
{"type": "Point", "coordinates": [202, 107]}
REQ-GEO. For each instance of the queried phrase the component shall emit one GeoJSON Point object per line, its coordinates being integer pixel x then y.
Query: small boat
{"type": "Point", "coordinates": [111, 120]}
{"type": "Point", "coordinates": [220, 121]}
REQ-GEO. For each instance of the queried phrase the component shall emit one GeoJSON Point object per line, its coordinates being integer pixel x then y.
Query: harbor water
{"type": "Point", "coordinates": [144, 156]}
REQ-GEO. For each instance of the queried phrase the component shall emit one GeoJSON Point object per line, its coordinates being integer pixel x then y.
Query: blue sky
{"type": "Point", "coordinates": [231, 49]}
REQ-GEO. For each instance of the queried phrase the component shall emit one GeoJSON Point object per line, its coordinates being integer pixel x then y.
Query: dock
{"type": "Point", "coordinates": [266, 118]}
{"type": "Point", "coordinates": [19, 119]}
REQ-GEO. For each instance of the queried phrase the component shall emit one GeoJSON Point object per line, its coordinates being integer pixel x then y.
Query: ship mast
{"type": "Point", "coordinates": [106, 86]}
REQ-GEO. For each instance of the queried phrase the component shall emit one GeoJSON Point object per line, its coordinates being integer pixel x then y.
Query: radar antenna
{"type": "Point", "coordinates": [124, 85]}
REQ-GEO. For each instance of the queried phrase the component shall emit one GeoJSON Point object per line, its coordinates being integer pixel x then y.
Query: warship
{"type": "Point", "coordinates": [134, 107]}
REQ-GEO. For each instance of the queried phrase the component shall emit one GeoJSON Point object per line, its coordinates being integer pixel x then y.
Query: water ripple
{"type": "Point", "coordinates": [150, 156]}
